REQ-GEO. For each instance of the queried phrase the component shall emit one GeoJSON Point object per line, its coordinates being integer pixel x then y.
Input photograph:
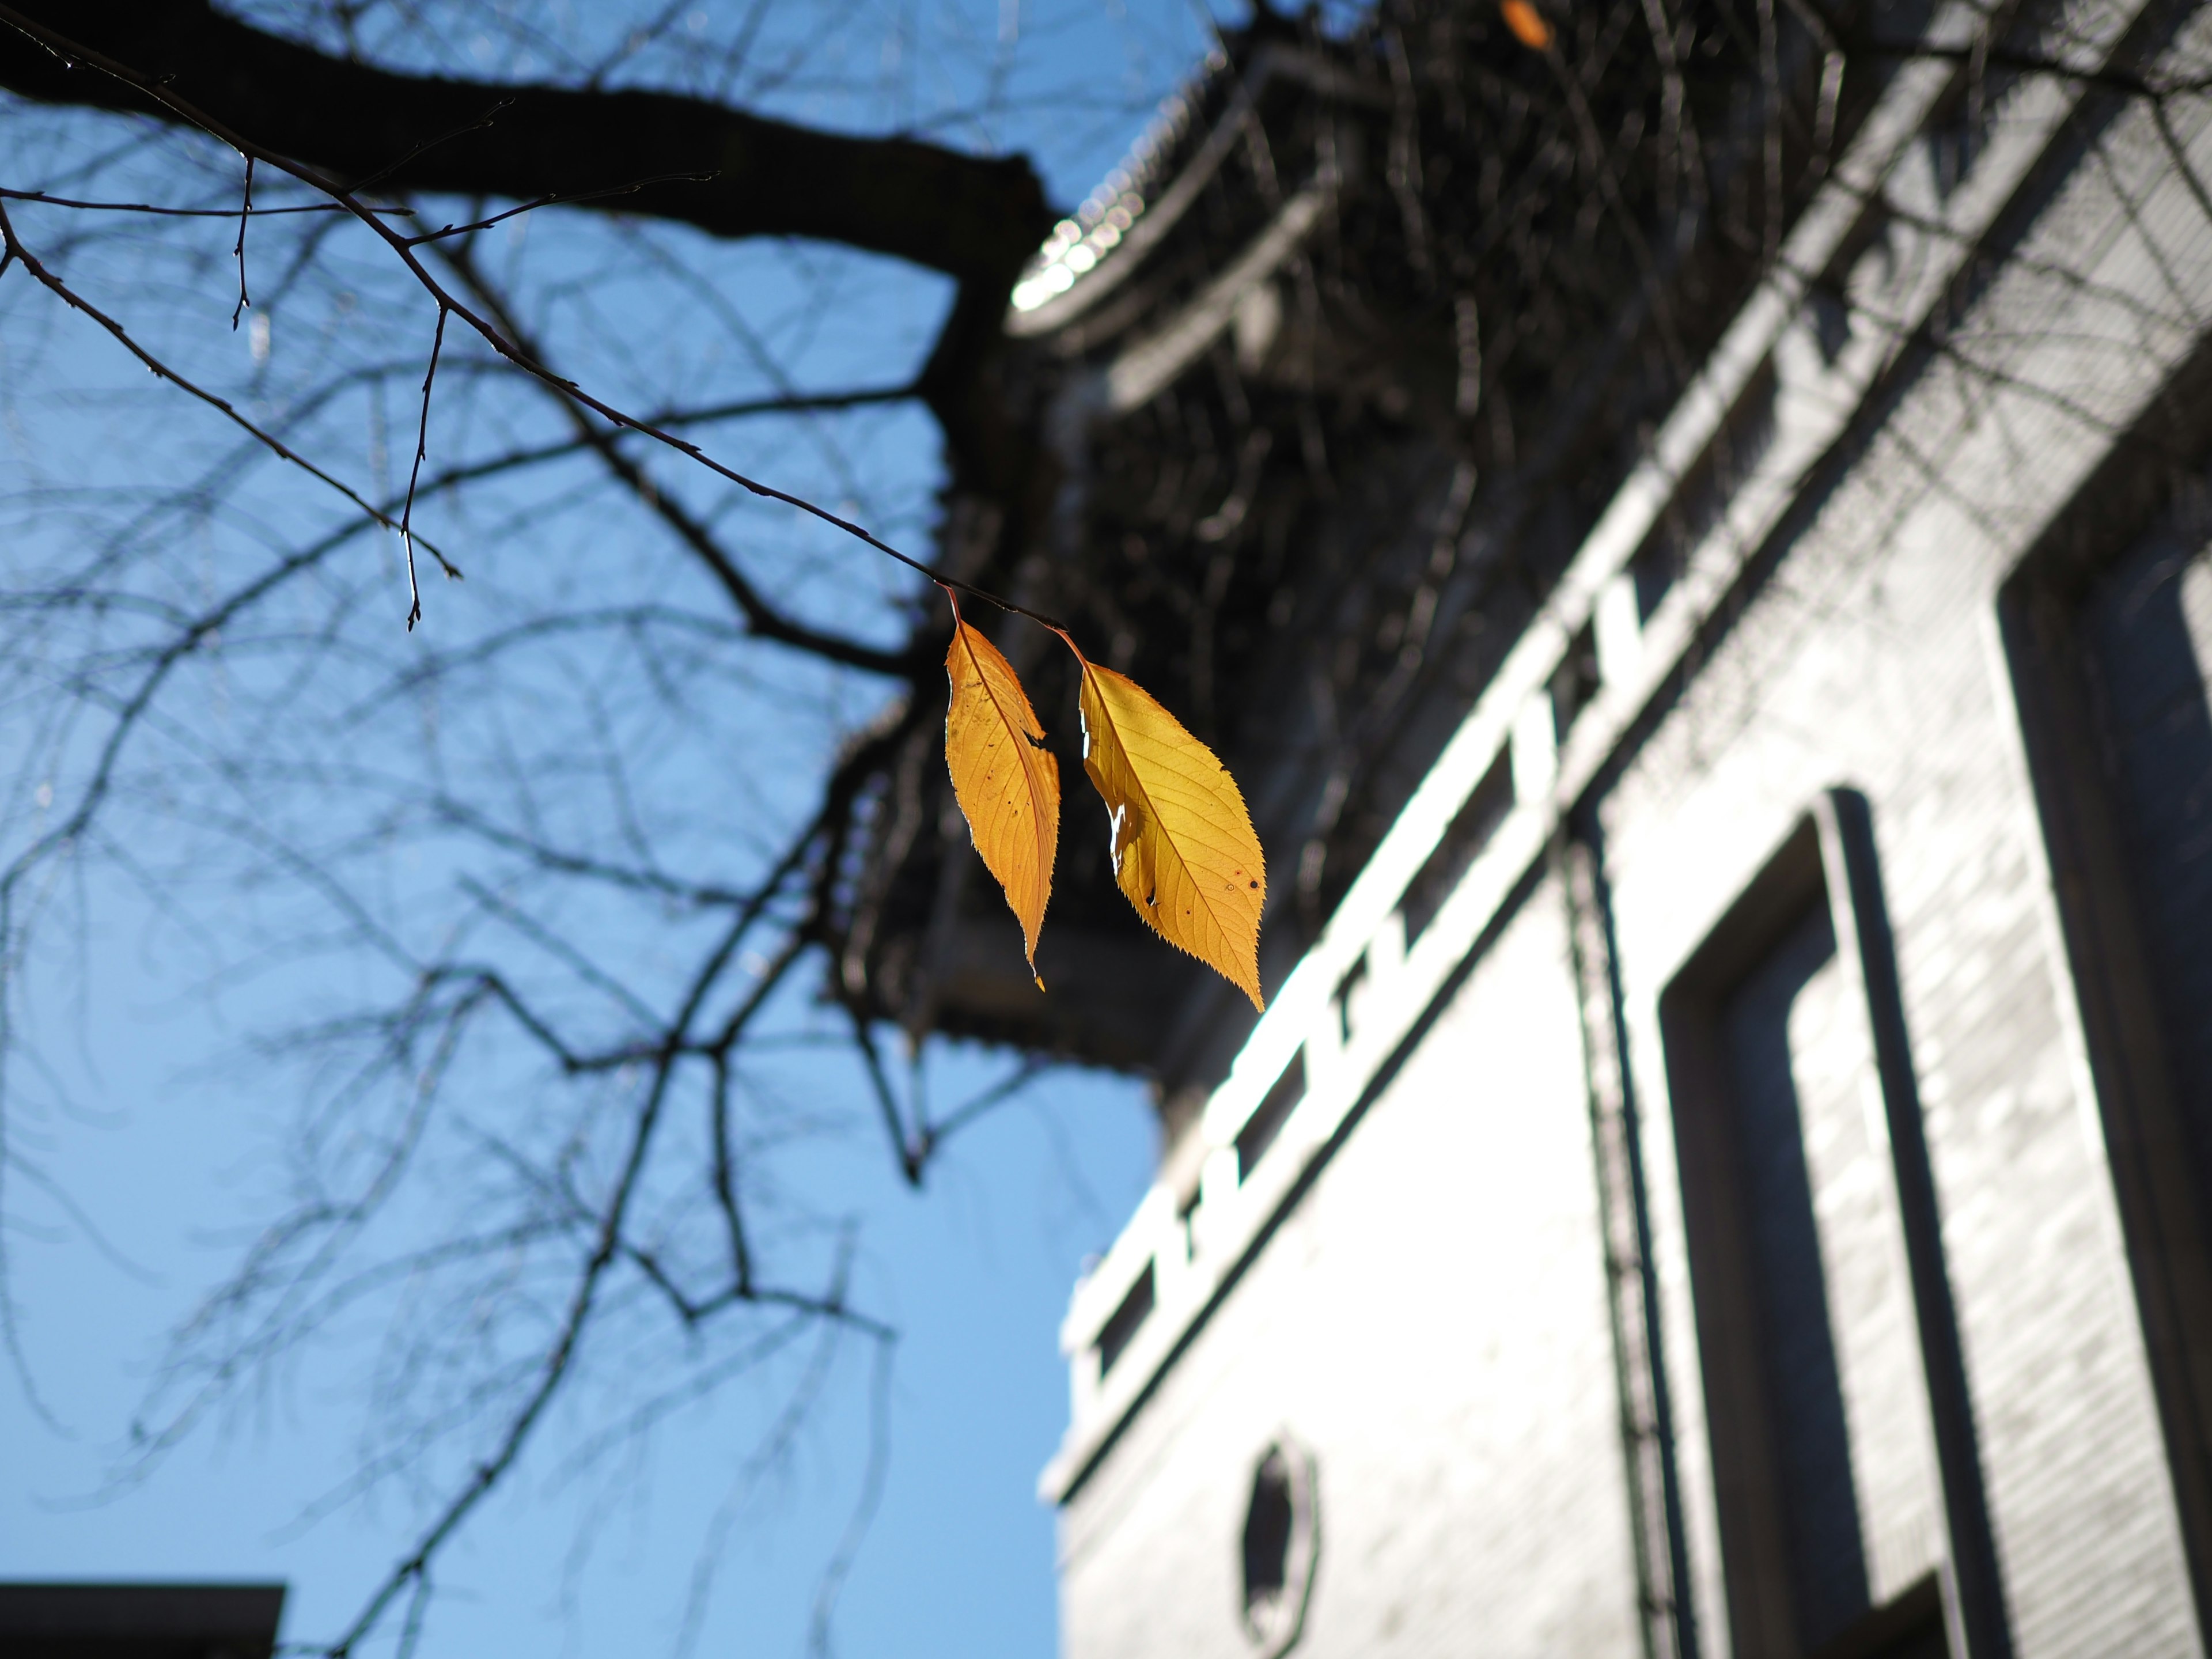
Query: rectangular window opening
{"type": "Point", "coordinates": [1463, 839]}
{"type": "Point", "coordinates": [1815, 1316]}
{"type": "Point", "coordinates": [2107, 627]}
{"type": "Point", "coordinates": [1960, 134]}
{"type": "Point", "coordinates": [1830, 314]}
{"type": "Point", "coordinates": [1576, 681]}
{"type": "Point", "coordinates": [1347, 988]}
{"type": "Point", "coordinates": [1802, 1380]}
{"type": "Point", "coordinates": [1120, 1330]}
{"type": "Point", "coordinates": [1864, 263]}
{"type": "Point", "coordinates": [1703, 495]}
{"type": "Point", "coordinates": [1266, 1121]}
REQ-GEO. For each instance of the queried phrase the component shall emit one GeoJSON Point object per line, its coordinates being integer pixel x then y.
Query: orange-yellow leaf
{"type": "Point", "coordinates": [1527, 23]}
{"type": "Point", "coordinates": [1183, 847]}
{"type": "Point", "coordinates": [1006, 781]}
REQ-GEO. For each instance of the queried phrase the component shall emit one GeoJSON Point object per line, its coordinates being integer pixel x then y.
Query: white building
{"type": "Point", "coordinates": [1734, 1172]}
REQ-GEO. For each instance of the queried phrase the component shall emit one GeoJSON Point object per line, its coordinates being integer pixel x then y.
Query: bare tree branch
{"type": "Point", "coordinates": [159, 90]}
{"type": "Point", "coordinates": [968, 216]}
{"type": "Point", "coordinates": [13, 250]}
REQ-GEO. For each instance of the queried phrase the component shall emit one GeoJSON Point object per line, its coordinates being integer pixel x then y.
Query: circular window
{"type": "Point", "coordinates": [1282, 1536]}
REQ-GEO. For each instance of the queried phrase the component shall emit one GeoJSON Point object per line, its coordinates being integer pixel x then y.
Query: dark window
{"type": "Point", "coordinates": [1346, 989]}
{"type": "Point", "coordinates": [2108, 631]}
{"type": "Point", "coordinates": [1812, 1446]}
{"type": "Point", "coordinates": [1121, 1329]}
{"type": "Point", "coordinates": [1654, 568]}
{"type": "Point", "coordinates": [1266, 1121]}
{"type": "Point", "coordinates": [1786, 1282]}
{"type": "Point", "coordinates": [1575, 682]}
{"type": "Point", "coordinates": [2148, 627]}
{"type": "Point", "coordinates": [1469, 832]}
{"type": "Point", "coordinates": [1705, 492]}
{"type": "Point", "coordinates": [1831, 323]}
{"type": "Point", "coordinates": [1957, 136]}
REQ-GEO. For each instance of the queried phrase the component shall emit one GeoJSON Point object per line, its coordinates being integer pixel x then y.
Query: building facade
{"type": "Point", "coordinates": [1732, 1174]}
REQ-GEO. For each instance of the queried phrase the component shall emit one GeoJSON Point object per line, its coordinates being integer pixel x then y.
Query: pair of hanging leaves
{"type": "Point", "coordinates": [1184, 853]}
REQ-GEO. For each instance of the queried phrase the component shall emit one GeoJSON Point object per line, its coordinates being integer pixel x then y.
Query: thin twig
{"type": "Point", "coordinates": [245, 212]}
{"type": "Point", "coordinates": [725, 1177]}
{"type": "Point", "coordinates": [761, 617]}
{"type": "Point", "coordinates": [905, 1148]}
{"type": "Point", "coordinates": [864, 1510]}
{"type": "Point", "coordinates": [410, 1633]}
{"type": "Point", "coordinates": [562, 1352]}
{"type": "Point", "coordinates": [41, 197]}
{"type": "Point", "coordinates": [428, 145]}
{"type": "Point", "coordinates": [15, 251]}
{"type": "Point", "coordinates": [631, 189]}
{"type": "Point", "coordinates": [935, 1135]}
{"type": "Point", "coordinates": [422, 449]}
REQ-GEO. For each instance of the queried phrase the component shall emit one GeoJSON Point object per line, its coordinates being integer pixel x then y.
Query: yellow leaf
{"type": "Point", "coordinates": [1006, 781]}
{"type": "Point", "coordinates": [1183, 847]}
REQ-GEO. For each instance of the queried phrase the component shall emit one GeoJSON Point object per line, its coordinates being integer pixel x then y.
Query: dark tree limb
{"type": "Point", "coordinates": [968, 216]}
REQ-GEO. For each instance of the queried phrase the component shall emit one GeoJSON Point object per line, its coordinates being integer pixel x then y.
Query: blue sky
{"type": "Point", "coordinates": [153, 1117]}
{"type": "Point", "coordinates": [975, 1269]}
